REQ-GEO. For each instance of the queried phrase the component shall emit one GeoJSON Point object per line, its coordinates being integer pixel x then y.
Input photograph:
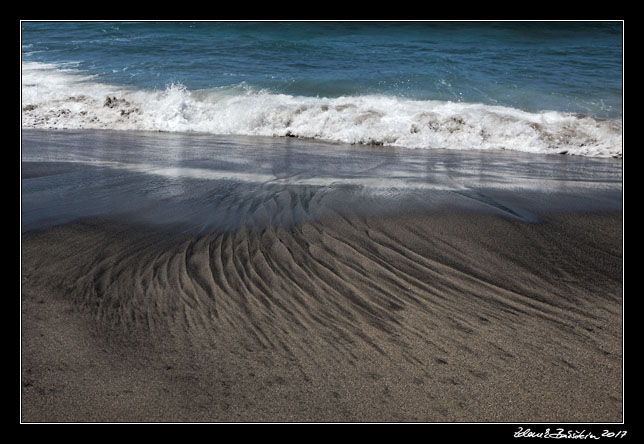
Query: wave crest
{"type": "Point", "coordinates": [68, 99]}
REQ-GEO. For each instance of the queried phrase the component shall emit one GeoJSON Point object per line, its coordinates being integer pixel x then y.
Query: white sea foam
{"type": "Point", "coordinates": [62, 97]}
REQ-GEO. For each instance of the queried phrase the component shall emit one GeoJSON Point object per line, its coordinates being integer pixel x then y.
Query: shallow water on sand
{"type": "Point", "coordinates": [202, 180]}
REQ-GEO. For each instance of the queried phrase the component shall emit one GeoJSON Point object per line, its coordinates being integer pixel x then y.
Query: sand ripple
{"type": "Point", "coordinates": [456, 302]}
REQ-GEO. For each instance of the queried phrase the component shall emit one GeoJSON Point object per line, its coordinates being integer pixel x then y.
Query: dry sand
{"type": "Point", "coordinates": [447, 314]}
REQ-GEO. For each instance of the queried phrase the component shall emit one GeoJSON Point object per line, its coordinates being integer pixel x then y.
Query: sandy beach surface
{"type": "Point", "coordinates": [193, 278]}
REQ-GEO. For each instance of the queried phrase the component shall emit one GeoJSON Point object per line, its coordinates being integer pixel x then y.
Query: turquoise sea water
{"type": "Point", "coordinates": [386, 82]}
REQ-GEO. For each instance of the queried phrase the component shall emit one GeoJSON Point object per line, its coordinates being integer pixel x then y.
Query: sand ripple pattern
{"type": "Point", "coordinates": [288, 275]}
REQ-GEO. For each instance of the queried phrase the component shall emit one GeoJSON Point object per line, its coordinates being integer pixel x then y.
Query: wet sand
{"type": "Point", "coordinates": [190, 278]}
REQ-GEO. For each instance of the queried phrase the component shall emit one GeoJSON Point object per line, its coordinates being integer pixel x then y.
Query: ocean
{"type": "Point", "coordinates": [539, 87]}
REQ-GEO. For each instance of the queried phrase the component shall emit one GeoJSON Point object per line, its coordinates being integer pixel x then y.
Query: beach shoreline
{"type": "Point", "coordinates": [173, 278]}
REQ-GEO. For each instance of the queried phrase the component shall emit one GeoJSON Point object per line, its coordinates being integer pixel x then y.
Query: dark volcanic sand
{"type": "Point", "coordinates": [298, 287]}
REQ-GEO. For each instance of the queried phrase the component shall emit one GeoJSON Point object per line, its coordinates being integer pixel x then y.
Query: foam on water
{"type": "Point", "coordinates": [55, 96]}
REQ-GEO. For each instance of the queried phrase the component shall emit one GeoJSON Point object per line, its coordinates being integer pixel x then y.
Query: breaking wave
{"type": "Point", "coordinates": [60, 97]}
